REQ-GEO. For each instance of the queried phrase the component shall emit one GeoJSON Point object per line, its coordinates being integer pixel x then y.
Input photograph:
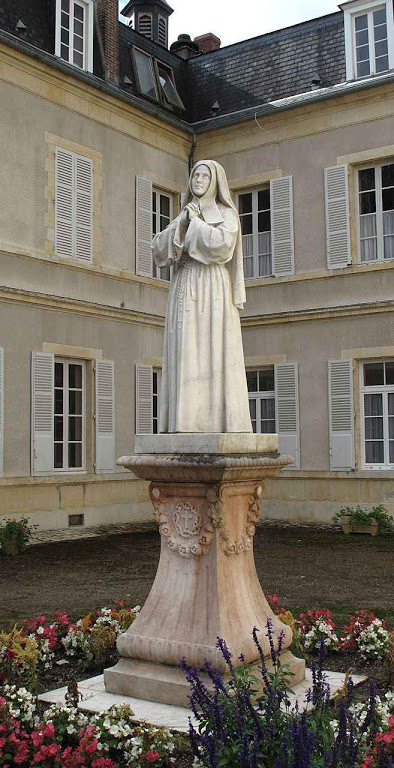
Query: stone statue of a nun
{"type": "Point", "coordinates": [203, 382]}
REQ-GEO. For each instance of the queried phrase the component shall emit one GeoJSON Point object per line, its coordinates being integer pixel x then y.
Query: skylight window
{"type": "Point", "coordinates": [145, 74]}
{"type": "Point", "coordinates": [166, 80]}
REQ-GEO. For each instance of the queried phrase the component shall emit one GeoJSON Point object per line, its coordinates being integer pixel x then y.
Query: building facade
{"type": "Point", "coordinates": [99, 125]}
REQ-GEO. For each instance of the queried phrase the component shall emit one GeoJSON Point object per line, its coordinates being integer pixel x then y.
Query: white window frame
{"type": "Point", "coordinates": [67, 362]}
{"type": "Point", "coordinates": [379, 211]}
{"type": "Point", "coordinates": [384, 389]}
{"type": "Point", "coordinates": [259, 396]}
{"type": "Point", "coordinates": [88, 36]}
{"type": "Point", "coordinates": [357, 8]}
{"type": "Point", "coordinates": [157, 191]}
{"type": "Point", "coordinates": [255, 218]}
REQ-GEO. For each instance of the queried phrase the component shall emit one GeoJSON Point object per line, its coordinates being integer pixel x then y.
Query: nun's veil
{"type": "Point", "coordinates": [218, 191]}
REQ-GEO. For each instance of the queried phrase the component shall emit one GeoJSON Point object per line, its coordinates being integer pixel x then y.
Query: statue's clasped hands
{"type": "Point", "coordinates": [190, 211]}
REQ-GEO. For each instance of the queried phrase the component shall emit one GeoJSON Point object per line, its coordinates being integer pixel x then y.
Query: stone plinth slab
{"type": "Point", "coordinates": [235, 443]}
{"type": "Point", "coordinates": [96, 699]}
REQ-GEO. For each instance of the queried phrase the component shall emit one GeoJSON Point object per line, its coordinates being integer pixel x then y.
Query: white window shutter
{"type": "Point", "coordinates": [143, 399]}
{"type": "Point", "coordinates": [64, 203]}
{"type": "Point", "coordinates": [105, 417]}
{"type": "Point", "coordinates": [287, 411]}
{"type": "Point", "coordinates": [83, 208]}
{"type": "Point", "coordinates": [143, 236]}
{"type": "Point", "coordinates": [340, 395]}
{"type": "Point", "coordinates": [282, 226]}
{"type": "Point", "coordinates": [42, 462]}
{"type": "Point", "coordinates": [1, 411]}
{"type": "Point", "coordinates": [336, 194]}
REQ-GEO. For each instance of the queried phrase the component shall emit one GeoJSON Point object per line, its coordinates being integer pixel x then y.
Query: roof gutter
{"type": "Point", "coordinates": [290, 102]}
{"type": "Point", "coordinates": [86, 77]}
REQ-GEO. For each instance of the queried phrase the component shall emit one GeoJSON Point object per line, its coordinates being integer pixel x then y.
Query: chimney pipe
{"type": "Point", "coordinates": [107, 14]}
{"type": "Point", "coordinates": [208, 42]}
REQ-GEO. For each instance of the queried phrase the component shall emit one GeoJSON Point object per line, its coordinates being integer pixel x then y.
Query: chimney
{"type": "Point", "coordinates": [185, 48]}
{"type": "Point", "coordinates": [107, 16]}
{"type": "Point", "coordinates": [208, 42]}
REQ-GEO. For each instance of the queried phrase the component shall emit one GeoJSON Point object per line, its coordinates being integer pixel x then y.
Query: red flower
{"type": "Point", "coordinates": [151, 756]}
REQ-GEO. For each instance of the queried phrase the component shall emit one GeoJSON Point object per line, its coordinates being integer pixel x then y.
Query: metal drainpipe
{"type": "Point", "coordinates": [192, 150]}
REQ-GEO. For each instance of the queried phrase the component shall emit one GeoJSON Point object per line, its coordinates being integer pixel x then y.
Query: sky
{"type": "Point", "coordinates": [234, 20]}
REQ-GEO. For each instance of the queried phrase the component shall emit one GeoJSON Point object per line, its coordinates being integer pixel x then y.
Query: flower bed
{"type": "Point", "coordinates": [43, 654]}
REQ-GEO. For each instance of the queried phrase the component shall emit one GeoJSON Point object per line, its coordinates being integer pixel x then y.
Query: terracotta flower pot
{"type": "Point", "coordinates": [348, 527]}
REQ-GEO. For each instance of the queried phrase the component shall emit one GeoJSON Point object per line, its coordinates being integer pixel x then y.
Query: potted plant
{"type": "Point", "coordinates": [358, 520]}
{"type": "Point", "coordinates": [15, 535]}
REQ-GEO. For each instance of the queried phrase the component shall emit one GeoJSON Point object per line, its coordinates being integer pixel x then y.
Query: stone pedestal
{"type": "Point", "coordinates": [207, 505]}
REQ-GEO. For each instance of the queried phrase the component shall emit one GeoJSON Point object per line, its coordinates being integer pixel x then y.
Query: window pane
{"type": "Point", "coordinates": [247, 245]}
{"type": "Point", "coordinates": [264, 241]}
{"type": "Point", "coordinates": [374, 452]}
{"type": "Point", "coordinates": [391, 454]}
{"type": "Point", "coordinates": [78, 28]}
{"type": "Point", "coordinates": [373, 376]}
{"type": "Point", "coordinates": [374, 429]}
{"type": "Point", "coordinates": [380, 32]}
{"type": "Point", "coordinates": [264, 200]}
{"type": "Point", "coordinates": [78, 59]}
{"type": "Point", "coordinates": [388, 175]}
{"type": "Point", "coordinates": [252, 408]}
{"type": "Point", "coordinates": [369, 250]}
{"type": "Point", "coordinates": [381, 48]}
{"type": "Point", "coordinates": [389, 368]}
{"type": "Point", "coordinates": [265, 265]}
{"type": "Point", "coordinates": [379, 17]}
{"type": "Point", "coordinates": [65, 5]}
{"type": "Point", "coordinates": [368, 225]}
{"type": "Point", "coordinates": [78, 43]}
{"type": "Point", "coordinates": [388, 199]}
{"type": "Point", "coordinates": [373, 405]}
{"type": "Point", "coordinates": [251, 378]}
{"type": "Point", "coordinates": [268, 427]}
{"type": "Point", "coordinates": [64, 36]}
{"type": "Point", "coordinates": [363, 69]}
{"type": "Point", "coordinates": [363, 53]}
{"type": "Point", "coordinates": [75, 402]}
{"type": "Point", "coordinates": [366, 179]}
{"type": "Point", "coordinates": [165, 205]}
{"type": "Point", "coordinates": [75, 428]}
{"type": "Point", "coordinates": [64, 52]}
{"type": "Point", "coordinates": [145, 74]}
{"type": "Point", "coordinates": [388, 248]}
{"type": "Point", "coordinates": [247, 224]}
{"type": "Point", "coordinates": [245, 203]}
{"type": "Point", "coordinates": [58, 375]}
{"type": "Point", "coordinates": [367, 202]}
{"type": "Point", "coordinates": [382, 64]}
{"type": "Point", "coordinates": [75, 376]}
{"type": "Point", "coordinates": [391, 403]}
{"type": "Point", "coordinates": [362, 37]}
{"type": "Point", "coordinates": [65, 20]}
{"type": "Point", "coordinates": [58, 428]}
{"type": "Point", "coordinates": [58, 456]}
{"type": "Point", "coordinates": [58, 401]}
{"type": "Point", "coordinates": [267, 408]}
{"type": "Point", "coordinates": [361, 22]}
{"type": "Point", "coordinates": [169, 89]}
{"type": "Point", "coordinates": [267, 382]}
{"type": "Point", "coordinates": [248, 268]}
{"type": "Point", "coordinates": [78, 12]}
{"type": "Point", "coordinates": [75, 455]}
{"type": "Point", "coordinates": [264, 222]}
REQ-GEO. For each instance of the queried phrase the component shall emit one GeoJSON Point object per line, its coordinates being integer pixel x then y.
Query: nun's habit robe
{"type": "Point", "coordinates": [203, 385]}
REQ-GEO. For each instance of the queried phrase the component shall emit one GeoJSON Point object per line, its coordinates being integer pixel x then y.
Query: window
{"type": "Point", "coordinates": [162, 206]}
{"type": "Point", "coordinates": [376, 212]}
{"type": "Point", "coordinates": [74, 32]}
{"type": "Point", "coordinates": [156, 383]}
{"type": "Point", "coordinates": [261, 388]}
{"type": "Point", "coordinates": [378, 414]}
{"type": "Point", "coordinates": [155, 80]}
{"type": "Point", "coordinates": [169, 91]}
{"type": "Point", "coordinates": [369, 38]}
{"type": "Point", "coordinates": [69, 415]}
{"type": "Point", "coordinates": [255, 215]}
{"type": "Point", "coordinates": [73, 205]}
{"type": "Point", "coordinates": [145, 74]}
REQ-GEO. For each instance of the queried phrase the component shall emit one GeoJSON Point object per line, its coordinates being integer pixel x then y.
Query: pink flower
{"type": "Point", "coordinates": [151, 756]}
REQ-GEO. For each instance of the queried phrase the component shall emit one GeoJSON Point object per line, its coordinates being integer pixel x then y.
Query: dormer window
{"type": "Point", "coordinates": [369, 37]}
{"type": "Point", "coordinates": [155, 79]}
{"type": "Point", "coordinates": [74, 32]}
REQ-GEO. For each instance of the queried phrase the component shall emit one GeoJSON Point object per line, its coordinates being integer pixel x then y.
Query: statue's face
{"type": "Point", "coordinates": [201, 180]}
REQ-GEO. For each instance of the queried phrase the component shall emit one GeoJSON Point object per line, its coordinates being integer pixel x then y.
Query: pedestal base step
{"type": "Point", "coordinates": [167, 685]}
{"type": "Point", "coordinates": [207, 443]}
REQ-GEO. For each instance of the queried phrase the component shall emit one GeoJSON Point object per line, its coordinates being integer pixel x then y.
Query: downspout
{"type": "Point", "coordinates": [192, 150]}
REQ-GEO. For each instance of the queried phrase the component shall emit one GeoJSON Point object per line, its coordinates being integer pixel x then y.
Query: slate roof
{"type": "Point", "coordinates": [264, 74]}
